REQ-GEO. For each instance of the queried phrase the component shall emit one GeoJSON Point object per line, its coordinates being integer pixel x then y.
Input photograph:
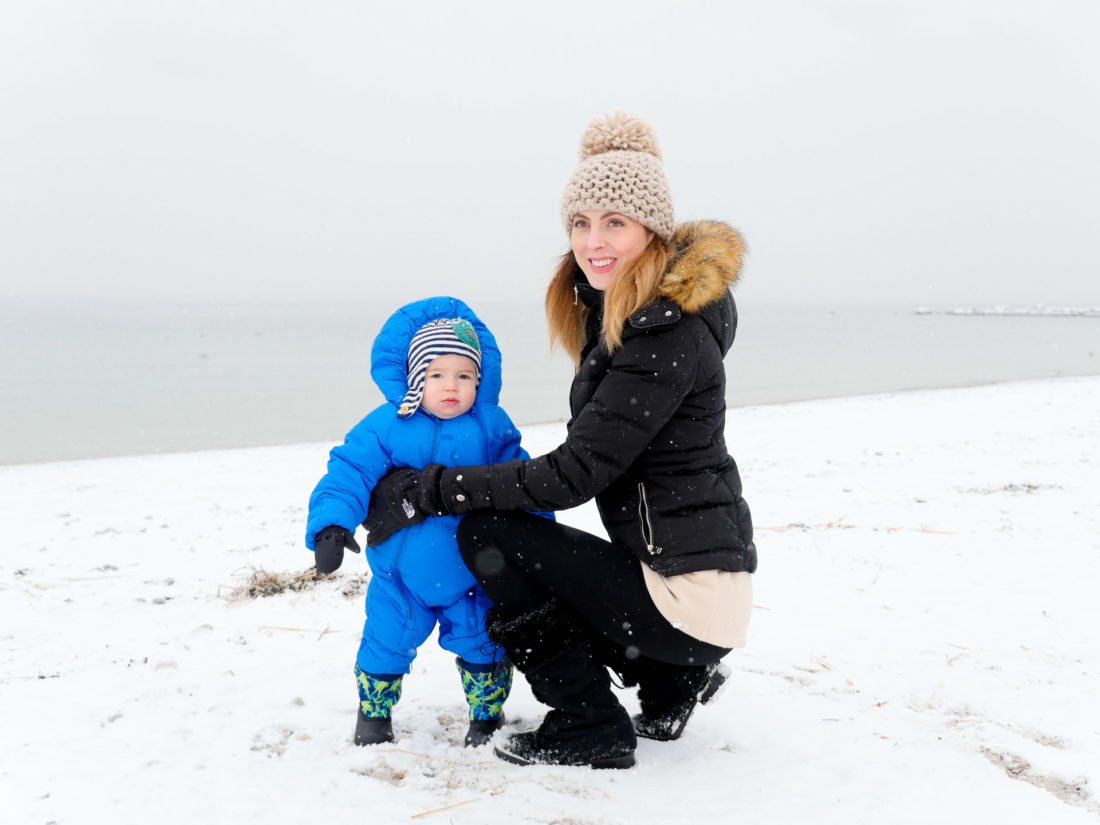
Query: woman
{"type": "Point", "coordinates": [643, 307]}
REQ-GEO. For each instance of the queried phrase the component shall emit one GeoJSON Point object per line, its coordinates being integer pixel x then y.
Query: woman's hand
{"type": "Point", "coordinates": [401, 498]}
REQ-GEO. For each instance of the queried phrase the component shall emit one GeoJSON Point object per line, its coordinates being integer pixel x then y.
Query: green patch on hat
{"type": "Point", "coordinates": [464, 332]}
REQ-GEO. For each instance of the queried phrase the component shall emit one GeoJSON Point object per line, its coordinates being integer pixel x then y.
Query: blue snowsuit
{"type": "Point", "coordinates": [418, 578]}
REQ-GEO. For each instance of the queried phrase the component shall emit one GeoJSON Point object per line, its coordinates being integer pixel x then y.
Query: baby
{"type": "Point", "coordinates": [439, 369]}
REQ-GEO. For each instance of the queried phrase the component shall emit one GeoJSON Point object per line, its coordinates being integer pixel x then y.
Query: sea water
{"type": "Point", "coordinates": [81, 380]}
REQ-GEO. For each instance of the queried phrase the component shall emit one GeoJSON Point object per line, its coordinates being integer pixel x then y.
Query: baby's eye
{"type": "Point", "coordinates": [466, 376]}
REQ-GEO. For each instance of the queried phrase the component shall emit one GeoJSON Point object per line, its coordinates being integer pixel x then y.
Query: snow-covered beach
{"type": "Point", "coordinates": [922, 649]}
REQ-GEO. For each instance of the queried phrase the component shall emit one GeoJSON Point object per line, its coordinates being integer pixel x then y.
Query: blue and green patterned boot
{"type": "Point", "coordinates": [486, 688]}
{"type": "Point", "coordinates": [378, 693]}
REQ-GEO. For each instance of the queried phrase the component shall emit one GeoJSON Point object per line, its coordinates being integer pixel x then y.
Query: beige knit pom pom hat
{"type": "Point", "coordinates": [620, 170]}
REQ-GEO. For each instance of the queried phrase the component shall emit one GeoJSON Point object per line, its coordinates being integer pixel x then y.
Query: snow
{"type": "Point", "coordinates": [923, 642]}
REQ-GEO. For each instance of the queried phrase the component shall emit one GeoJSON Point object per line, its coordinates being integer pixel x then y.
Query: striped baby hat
{"type": "Point", "coordinates": [445, 336]}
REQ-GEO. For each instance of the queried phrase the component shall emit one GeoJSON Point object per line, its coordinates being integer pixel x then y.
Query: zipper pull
{"type": "Point", "coordinates": [574, 294]}
{"type": "Point", "coordinates": [643, 514]}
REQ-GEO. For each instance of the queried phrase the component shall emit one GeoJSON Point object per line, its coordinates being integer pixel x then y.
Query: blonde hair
{"type": "Point", "coordinates": [637, 286]}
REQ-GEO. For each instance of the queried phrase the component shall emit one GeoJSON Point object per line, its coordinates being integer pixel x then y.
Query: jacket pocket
{"type": "Point", "coordinates": [645, 522]}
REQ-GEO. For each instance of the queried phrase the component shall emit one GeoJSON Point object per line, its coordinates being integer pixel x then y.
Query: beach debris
{"type": "Point", "coordinates": [445, 808]}
{"type": "Point", "coordinates": [1071, 792]}
{"type": "Point", "coordinates": [1024, 487]}
{"type": "Point", "coordinates": [261, 583]}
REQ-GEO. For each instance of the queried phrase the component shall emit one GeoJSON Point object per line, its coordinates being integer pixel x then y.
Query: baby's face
{"type": "Point", "coordinates": [450, 386]}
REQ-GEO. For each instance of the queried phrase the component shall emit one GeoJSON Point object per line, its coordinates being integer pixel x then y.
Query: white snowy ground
{"type": "Point", "coordinates": [924, 645]}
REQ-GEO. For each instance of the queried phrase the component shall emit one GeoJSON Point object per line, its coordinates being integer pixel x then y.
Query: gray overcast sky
{"type": "Point", "coordinates": [933, 151]}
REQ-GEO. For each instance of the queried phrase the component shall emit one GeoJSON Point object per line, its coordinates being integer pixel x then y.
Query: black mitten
{"type": "Point", "coordinates": [328, 548]}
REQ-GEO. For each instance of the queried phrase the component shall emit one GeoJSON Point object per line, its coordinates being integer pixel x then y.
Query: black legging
{"type": "Point", "coordinates": [521, 560]}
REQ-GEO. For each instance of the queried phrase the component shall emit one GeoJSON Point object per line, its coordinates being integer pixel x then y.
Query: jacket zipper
{"type": "Point", "coordinates": [405, 538]}
{"type": "Point", "coordinates": [471, 609]}
{"type": "Point", "coordinates": [645, 522]}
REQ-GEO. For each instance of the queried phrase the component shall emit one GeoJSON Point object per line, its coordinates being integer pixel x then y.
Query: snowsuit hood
{"type": "Point", "coordinates": [390, 351]}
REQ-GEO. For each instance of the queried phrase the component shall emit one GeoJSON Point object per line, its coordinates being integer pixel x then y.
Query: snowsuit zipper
{"type": "Point", "coordinates": [645, 523]}
{"type": "Point", "coordinates": [405, 537]}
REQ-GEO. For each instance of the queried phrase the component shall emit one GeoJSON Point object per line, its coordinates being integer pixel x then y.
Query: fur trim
{"type": "Point", "coordinates": [709, 257]}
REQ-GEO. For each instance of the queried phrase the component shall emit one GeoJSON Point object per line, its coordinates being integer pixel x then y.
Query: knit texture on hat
{"type": "Point", "coordinates": [446, 336]}
{"type": "Point", "coordinates": [620, 170]}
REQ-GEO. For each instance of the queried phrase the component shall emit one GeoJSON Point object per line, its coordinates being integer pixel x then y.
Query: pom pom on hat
{"type": "Point", "coordinates": [620, 170]}
{"type": "Point", "coordinates": [619, 131]}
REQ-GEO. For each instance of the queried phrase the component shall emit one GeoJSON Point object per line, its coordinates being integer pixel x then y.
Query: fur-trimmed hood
{"type": "Point", "coordinates": [708, 260]}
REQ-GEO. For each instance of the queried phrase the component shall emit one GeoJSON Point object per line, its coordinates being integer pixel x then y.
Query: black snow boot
{"type": "Point", "coordinates": [378, 693]}
{"type": "Point", "coordinates": [373, 730]}
{"type": "Point", "coordinates": [481, 731]}
{"type": "Point", "coordinates": [586, 724]}
{"type": "Point", "coordinates": [668, 694]}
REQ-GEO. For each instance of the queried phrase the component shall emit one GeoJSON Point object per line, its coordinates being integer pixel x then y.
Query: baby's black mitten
{"type": "Point", "coordinates": [328, 548]}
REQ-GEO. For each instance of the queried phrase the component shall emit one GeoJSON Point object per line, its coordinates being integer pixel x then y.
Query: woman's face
{"type": "Point", "coordinates": [605, 243]}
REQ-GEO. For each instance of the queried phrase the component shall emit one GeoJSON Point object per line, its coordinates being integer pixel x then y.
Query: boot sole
{"type": "Point", "coordinates": [602, 763]}
{"type": "Point", "coordinates": [366, 741]}
{"type": "Point", "coordinates": [710, 690]}
{"type": "Point", "coordinates": [714, 684]}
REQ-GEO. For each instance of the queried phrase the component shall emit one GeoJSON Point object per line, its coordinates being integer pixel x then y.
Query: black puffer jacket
{"type": "Point", "coordinates": [647, 434]}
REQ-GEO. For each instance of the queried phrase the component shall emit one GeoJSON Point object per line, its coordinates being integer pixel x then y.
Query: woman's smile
{"type": "Point", "coordinates": [604, 243]}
